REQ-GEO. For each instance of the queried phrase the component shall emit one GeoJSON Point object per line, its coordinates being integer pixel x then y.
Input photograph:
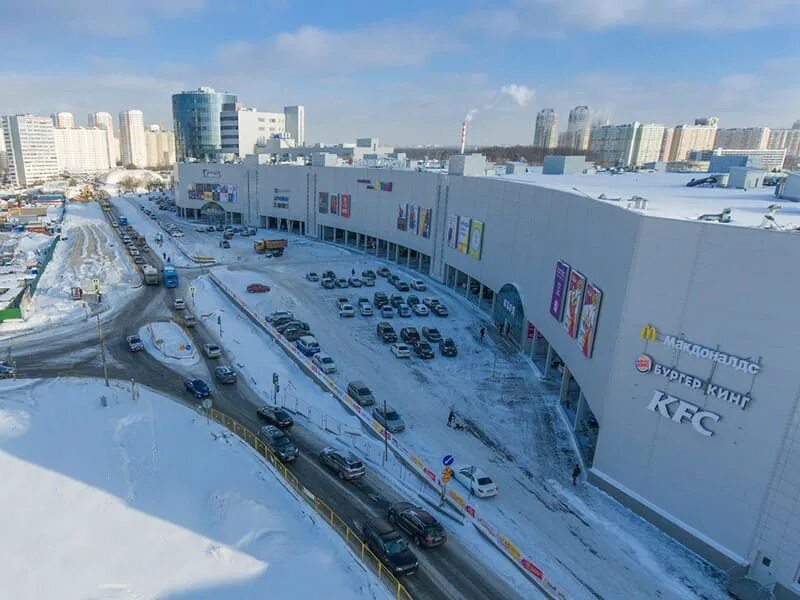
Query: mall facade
{"type": "Point", "coordinates": [673, 343]}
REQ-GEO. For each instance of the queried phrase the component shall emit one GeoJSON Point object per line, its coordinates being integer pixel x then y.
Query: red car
{"type": "Point", "coordinates": [257, 288]}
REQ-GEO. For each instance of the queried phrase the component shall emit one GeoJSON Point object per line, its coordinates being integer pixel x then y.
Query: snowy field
{"type": "Point", "coordinates": [584, 541]}
{"type": "Point", "coordinates": [144, 499]}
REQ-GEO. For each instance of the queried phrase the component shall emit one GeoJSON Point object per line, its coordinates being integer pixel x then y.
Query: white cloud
{"type": "Point", "coordinates": [521, 94]}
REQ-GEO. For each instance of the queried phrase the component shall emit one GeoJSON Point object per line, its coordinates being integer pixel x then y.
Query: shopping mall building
{"type": "Point", "coordinates": [675, 341]}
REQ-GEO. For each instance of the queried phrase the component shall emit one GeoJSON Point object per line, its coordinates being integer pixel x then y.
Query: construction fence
{"type": "Point", "coordinates": [356, 544]}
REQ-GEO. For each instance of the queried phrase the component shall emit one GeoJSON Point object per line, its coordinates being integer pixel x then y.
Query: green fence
{"type": "Point", "coordinates": [48, 255]}
{"type": "Point", "coordinates": [10, 313]}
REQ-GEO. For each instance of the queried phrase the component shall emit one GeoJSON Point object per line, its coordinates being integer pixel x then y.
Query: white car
{"type": "Point", "coordinates": [177, 233]}
{"type": "Point", "coordinates": [212, 350]}
{"type": "Point", "coordinates": [420, 310]}
{"type": "Point", "coordinates": [475, 480]}
{"type": "Point", "coordinates": [365, 308]}
{"type": "Point", "coordinates": [418, 284]}
{"type": "Point", "coordinates": [324, 362]}
{"type": "Point", "coordinates": [179, 303]}
{"type": "Point", "coordinates": [387, 312]}
{"type": "Point", "coordinates": [346, 310]}
{"type": "Point", "coordinates": [401, 350]}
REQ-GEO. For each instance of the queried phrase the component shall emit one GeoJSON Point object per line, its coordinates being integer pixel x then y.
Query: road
{"type": "Point", "coordinates": [447, 572]}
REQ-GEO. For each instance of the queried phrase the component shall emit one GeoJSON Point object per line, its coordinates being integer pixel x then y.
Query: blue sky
{"type": "Point", "coordinates": [410, 71]}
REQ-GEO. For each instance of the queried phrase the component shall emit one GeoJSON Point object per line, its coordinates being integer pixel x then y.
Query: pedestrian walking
{"type": "Point", "coordinates": [451, 418]}
{"type": "Point", "coordinates": [576, 472]}
{"type": "Point", "coordinates": [353, 272]}
{"type": "Point", "coordinates": [165, 255]}
{"type": "Point", "coordinates": [483, 332]}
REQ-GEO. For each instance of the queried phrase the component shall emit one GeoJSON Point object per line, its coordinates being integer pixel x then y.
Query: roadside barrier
{"type": "Point", "coordinates": [357, 545]}
{"type": "Point", "coordinates": [502, 542]}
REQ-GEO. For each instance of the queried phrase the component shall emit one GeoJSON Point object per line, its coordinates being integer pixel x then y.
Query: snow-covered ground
{"type": "Point", "coordinates": [167, 342]}
{"type": "Point", "coordinates": [90, 251]}
{"type": "Point", "coordinates": [145, 499]}
{"type": "Point", "coordinates": [584, 541]}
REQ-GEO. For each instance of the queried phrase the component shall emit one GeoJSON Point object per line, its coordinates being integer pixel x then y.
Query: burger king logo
{"type": "Point", "coordinates": [644, 364]}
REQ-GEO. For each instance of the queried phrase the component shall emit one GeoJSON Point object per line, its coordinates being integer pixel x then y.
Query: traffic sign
{"type": "Point", "coordinates": [447, 473]}
{"type": "Point", "coordinates": [207, 404]}
{"type": "Point", "coordinates": [448, 460]}
{"type": "Point", "coordinates": [192, 289]}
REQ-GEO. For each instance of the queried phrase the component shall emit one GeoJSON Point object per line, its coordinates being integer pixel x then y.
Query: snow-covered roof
{"type": "Point", "coordinates": [667, 195]}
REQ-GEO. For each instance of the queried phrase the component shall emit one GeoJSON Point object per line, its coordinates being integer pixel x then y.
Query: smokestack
{"type": "Point", "coordinates": [463, 136]}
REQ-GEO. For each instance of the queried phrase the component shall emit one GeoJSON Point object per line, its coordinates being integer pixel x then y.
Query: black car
{"type": "Point", "coordinates": [387, 544]}
{"type": "Point", "coordinates": [280, 443]}
{"type": "Point", "coordinates": [296, 324]}
{"type": "Point", "coordinates": [393, 279]}
{"type": "Point", "coordinates": [409, 335]}
{"type": "Point", "coordinates": [275, 415]}
{"type": "Point", "coordinates": [294, 333]}
{"type": "Point", "coordinates": [328, 275]}
{"type": "Point", "coordinates": [432, 334]}
{"type": "Point", "coordinates": [368, 274]}
{"type": "Point", "coordinates": [384, 271]}
{"type": "Point", "coordinates": [197, 387]}
{"type": "Point", "coordinates": [225, 374]}
{"type": "Point", "coordinates": [401, 286]}
{"type": "Point", "coordinates": [386, 332]}
{"type": "Point", "coordinates": [396, 300]}
{"type": "Point", "coordinates": [417, 522]}
{"type": "Point", "coordinates": [412, 300]}
{"type": "Point", "coordinates": [440, 310]}
{"type": "Point", "coordinates": [423, 349]}
{"type": "Point", "coordinates": [448, 347]}
{"type": "Point", "coordinates": [379, 299]}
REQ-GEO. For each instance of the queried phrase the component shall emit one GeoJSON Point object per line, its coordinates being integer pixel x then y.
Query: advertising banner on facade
{"type": "Point", "coordinates": [280, 198]}
{"type": "Point", "coordinates": [588, 325]}
{"type": "Point", "coordinates": [424, 228]}
{"type": "Point", "coordinates": [463, 234]}
{"type": "Point", "coordinates": [413, 217]}
{"type": "Point", "coordinates": [212, 192]}
{"type": "Point", "coordinates": [344, 205]}
{"type": "Point", "coordinates": [334, 204]}
{"type": "Point", "coordinates": [475, 239]}
{"type": "Point", "coordinates": [575, 287]}
{"type": "Point", "coordinates": [401, 217]}
{"type": "Point", "coordinates": [559, 286]}
{"type": "Point", "coordinates": [452, 229]}
{"type": "Point", "coordinates": [323, 202]}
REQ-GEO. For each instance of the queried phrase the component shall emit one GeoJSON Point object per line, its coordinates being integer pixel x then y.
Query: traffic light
{"type": "Point", "coordinates": [274, 379]}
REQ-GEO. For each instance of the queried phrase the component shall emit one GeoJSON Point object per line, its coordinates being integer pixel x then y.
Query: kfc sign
{"type": "Point", "coordinates": [680, 411]}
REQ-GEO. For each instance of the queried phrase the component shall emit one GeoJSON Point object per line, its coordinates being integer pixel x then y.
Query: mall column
{"type": "Point", "coordinates": [562, 394]}
{"type": "Point", "coordinates": [547, 361]}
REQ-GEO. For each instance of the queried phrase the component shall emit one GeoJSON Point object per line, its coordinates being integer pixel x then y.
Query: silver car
{"type": "Point", "coordinates": [345, 464]}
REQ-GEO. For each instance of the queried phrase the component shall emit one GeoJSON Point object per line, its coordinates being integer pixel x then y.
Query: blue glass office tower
{"type": "Point", "coordinates": [197, 123]}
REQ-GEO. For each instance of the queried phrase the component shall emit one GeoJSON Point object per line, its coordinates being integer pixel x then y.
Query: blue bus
{"type": "Point", "coordinates": [170, 275]}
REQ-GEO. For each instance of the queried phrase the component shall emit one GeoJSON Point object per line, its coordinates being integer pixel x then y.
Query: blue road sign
{"type": "Point", "coordinates": [448, 460]}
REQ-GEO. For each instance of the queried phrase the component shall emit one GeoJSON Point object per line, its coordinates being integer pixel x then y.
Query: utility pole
{"type": "Point", "coordinates": [385, 437]}
{"type": "Point", "coordinates": [102, 348]}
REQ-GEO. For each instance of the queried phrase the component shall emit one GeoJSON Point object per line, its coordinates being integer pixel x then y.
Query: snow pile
{"type": "Point", "coordinates": [166, 340]}
{"type": "Point", "coordinates": [117, 175]}
{"type": "Point", "coordinates": [144, 499]}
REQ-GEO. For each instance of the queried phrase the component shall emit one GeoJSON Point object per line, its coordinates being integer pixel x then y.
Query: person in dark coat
{"type": "Point", "coordinates": [576, 472]}
{"type": "Point", "coordinates": [451, 418]}
{"type": "Point", "coordinates": [483, 332]}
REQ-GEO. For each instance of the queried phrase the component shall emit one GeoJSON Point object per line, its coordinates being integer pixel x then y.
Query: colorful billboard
{"type": "Point", "coordinates": [424, 228]}
{"type": "Point", "coordinates": [577, 283]}
{"type": "Point", "coordinates": [559, 285]}
{"type": "Point", "coordinates": [475, 239]}
{"type": "Point", "coordinates": [323, 202]}
{"type": "Point", "coordinates": [334, 204]}
{"type": "Point", "coordinates": [401, 217]}
{"type": "Point", "coordinates": [452, 228]}
{"type": "Point", "coordinates": [413, 217]}
{"type": "Point", "coordinates": [213, 192]}
{"type": "Point", "coordinates": [591, 309]}
{"type": "Point", "coordinates": [344, 205]}
{"type": "Point", "coordinates": [463, 234]}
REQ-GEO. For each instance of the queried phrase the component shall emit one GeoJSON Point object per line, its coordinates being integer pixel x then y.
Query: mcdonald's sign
{"type": "Point", "coordinates": [649, 333]}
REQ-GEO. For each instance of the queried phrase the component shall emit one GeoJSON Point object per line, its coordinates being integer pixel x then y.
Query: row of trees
{"type": "Point", "coordinates": [130, 183]}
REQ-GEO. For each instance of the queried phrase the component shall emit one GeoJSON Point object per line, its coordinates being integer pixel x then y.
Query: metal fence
{"type": "Point", "coordinates": [358, 546]}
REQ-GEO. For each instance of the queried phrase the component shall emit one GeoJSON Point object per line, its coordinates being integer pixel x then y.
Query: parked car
{"type": "Point", "coordinates": [280, 443]}
{"type": "Point", "coordinates": [281, 321]}
{"type": "Point", "coordinates": [324, 362]}
{"type": "Point", "coordinates": [392, 278]}
{"type": "Point", "coordinates": [275, 415]}
{"type": "Point", "coordinates": [329, 275]}
{"type": "Point", "coordinates": [409, 335]}
{"type": "Point", "coordinates": [359, 392]}
{"type": "Point", "coordinates": [389, 418]}
{"type": "Point", "coordinates": [197, 387]}
{"type": "Point", "coordinates": [431, 334]}
{"type": "Point", "coordinates": [225, 374]}
{"type": "Point", "coordinates": [379, 299]}
{"type": "Point", "coordinates": [430, 302]}
{"type": "Point", "coordinates": [327, 283]}
{"type": "Point", "coordinates": [418, 284]}
{"type": "Point", "coordinates": [386, 332]}
{"type": "Point", "coordinates": [354, 282]}
{"type": "Point", "coordinates": [401, 350]}
{"type": "Point", "coordinates": [389, 547]}
{"type": "Point", "coordinates": [365, 309]}
{"type": "Point", "coordinates": [387, 312]}
{"type": "Point", "coordinates": [423, 349]}
{"type": "Point", "coordinates": [342, 283]}
{"type": "Point", "coordinates": [368, 274]}
{"type": "Point", "coordinates": [257, 288]}
{"type": "Point", "coordinates": [346, 310]}
{"type": "Point", "coordinates": [440, 310]}
{"type": "Point", "coordinates": [447, 347]}
{"type": "Point", "coordinates": [475, 480]}
{"type": "Point", "coordinates": [312, 276]}
{"type": "Point", "coordinates": [224, 244]}
{"type": "Point", "coordinates": [189, 320]}
{"type": "Point", "coordinates": [308, 345]}
{"type": "Point", "coordinates": [368, 282]}
{"type": "Point", "coordinates": [383, 271]}
{"type": "Point", "coordinates": [341, 301]}
{"type": "Point", "coordinates": [212, 350]}
{"type": "Point", "coordinates": [135, 343]}
{"type": "Point", "coordinates": [344, 464]}
{"type": "Point", "coordinates": [179, 304]}
{"type": "Point", "coordinates": [294, 333]}
{"type": "Point", "coordinates": [279, 314]}
{"type": "Point", "coordinates": [417, 522]}
{"type": "Point", "coordinates": [420, 310]}
{"type": "Point", "coordinates": [412, 300]}
{"type": "Point", "coordinates": [7, 370]}
{"type": "Point", "coordinates": [401, 286]}
{"type": "Point", "coordinates": [293, 323]}
{"type": "Point", "coordinates": [396, 300]}
{"type": "Point", "coordinates": [403, 310]}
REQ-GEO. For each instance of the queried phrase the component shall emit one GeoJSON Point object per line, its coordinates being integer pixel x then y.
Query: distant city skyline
{"type": "Point", "coordinates": [409, 73]}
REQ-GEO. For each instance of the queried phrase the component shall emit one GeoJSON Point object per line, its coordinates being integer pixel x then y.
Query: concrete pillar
{"type": "Point", "coordinates": [480, 295]}
{"type": "Point", "coordinates": [494, 302]}
{"type": "Point", "coordinates": [466, 288]}
{"type": "Point", "coordinates": [419, 261]}
{"type": "Point", "coordinates": [397, 253]}
{"type": "Point", "coordinates": [346, 236]}
{"type": "Point", "coordinates": [562, 394]}
{"type": "Point", "coordinates": [579, 411]}
{"type": "Point", "coordinates": [548, 359]}
{"type": "Point", "coordinates": [532, 352]}
{"type": "Point", "coordinates": [408, 257]}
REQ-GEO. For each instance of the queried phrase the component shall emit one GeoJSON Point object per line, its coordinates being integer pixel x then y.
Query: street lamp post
{"type": "Point", "coordinates": [102, 348]}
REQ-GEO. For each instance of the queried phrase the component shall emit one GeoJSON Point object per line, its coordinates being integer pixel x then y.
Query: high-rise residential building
{"type": "Point", "coordinates": [133, 146]}
{"type": "Point", "coordinates": [3, 156]}
{"type": "Point", "coordinates": [63, 119]}
{"type": "Point", "coordinates": [81, 150]}
{"type": "Point", "coordinates": [243, 128]}
{"type": "Point", "coordinates": [743, 137]}
{"type": "Point", "coordinates": [785, 138]}
{"type": "Point", "coordinates": [666, 143]}
{"type": "Point", "coordinates": [104, 121]}
{"type": "Point", "coordinates": [545, 134]}
{"type": "Point", "coordinates": [196, 116]}
{"type": "Point", "coordinates": [647, 144]}
{"type": "Point", "coordinates": [30, 149]}
{"type": "Point", "coordinates": [613, 144]}
{"type": "Point", "coordinates": [579, 128]}
{"type": "Point", "coordinates": [700, 136]}
{"type": "Point", "coordinates": [160, 147]}
{"type": "Point", "coordinates": [295, 117]}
